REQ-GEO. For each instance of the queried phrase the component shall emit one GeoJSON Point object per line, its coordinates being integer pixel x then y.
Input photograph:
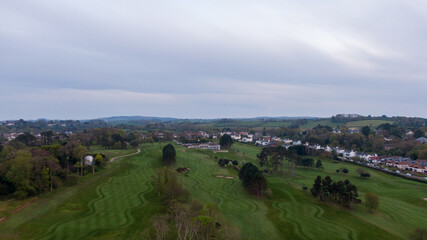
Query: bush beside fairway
{"type": "Point", "coordinates": [117, 203]}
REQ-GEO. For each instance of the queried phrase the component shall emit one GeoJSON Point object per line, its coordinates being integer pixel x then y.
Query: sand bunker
{"type": "Point", "coordinates": [229, 177]}
{"type": "Point", "coordinates": [219, 176]}
{"type": "Point", "coordinates": [425, 199]}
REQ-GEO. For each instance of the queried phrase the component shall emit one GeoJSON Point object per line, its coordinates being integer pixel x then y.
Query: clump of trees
{"type": "Point", "coordinates": [305, 162]}
{"type": "Point", "coordinates": [253, 179]}
{"type": "Point", "coordinates": [342, 192]}
{"type": "Point", "coordinates": [371, 201]}
{"type": "Point", "coordinates": [342, 171]}
{"type": "Point", "coordinates": [319, 164]}
{"type": "Point", "coordinates": [225, 141]}
{"type": "Point", "coordinates": [227, 162]}
{"type": "Point", "coordinates": [184, 219]}
{"type": "Point", "coordinates": [168, 188]}
{"type": "Point", "coordinates": [30, 170]}
{"type": "Point", "coordinates": [110, 137]}
{"type": "Point", "coordinates": [363, 173]}
{"type": "Point", "coordinates": [272, 159]}
{"type": "Point", "coordinates": [169, 154]}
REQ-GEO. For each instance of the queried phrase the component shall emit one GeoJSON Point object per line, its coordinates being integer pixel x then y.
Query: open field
{"type": "Point", "coordinates": [117, 203]}
{"type": "Point", "coordinates": [370, 123]}
{"type": "Point", "coordinates": [110, 152]}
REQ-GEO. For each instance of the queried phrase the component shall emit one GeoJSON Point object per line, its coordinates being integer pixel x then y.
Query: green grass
{"type": "Point", "coordinates": [323, 122]}
{"type": "Point", "coordinates": [370, 123]}
{"type": "Point", "coordinates": [117, 202]}
{"type": "Point", "coordinates": [110, 153]}
{"type": "Point", "coordinates": [295, 214]}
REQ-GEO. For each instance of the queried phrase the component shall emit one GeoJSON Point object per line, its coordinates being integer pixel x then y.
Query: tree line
{"type": "Point", "coordinates": [30, 170]}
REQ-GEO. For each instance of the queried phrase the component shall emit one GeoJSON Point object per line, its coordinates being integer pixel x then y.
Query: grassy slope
{"type": "Point", "coordinates": [114, 204]}
{"type": "Point", "coordinates": [110, 152]}
{"type": "Point", "coordinates": [295, 214]}
{"type": "Point", "coordinates": [118, 203]}
{"type": "Point", "coordinates": [370, 123]}
{"type": "Point", "coordinates": [238, 207]}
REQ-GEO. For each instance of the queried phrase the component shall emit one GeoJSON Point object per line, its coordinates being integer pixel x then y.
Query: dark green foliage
{"type": "Point", "coordinates": [168, 187]}
{"type": "Point", "coordinates": [273, 157]}
{"type": "Point", "coordinates": [419, 133]}
{"type": "Point", "coordinates": [109, 137]}
{"type": "Point", "coordinates": [253, 180]}
{"type": "Point", "coordinates": [343, 193]}
{"type": "Point", "coordinates": [345, 170]}
{"type": "Point", "coordinates": [225, 141]}
{"type": "Point", "coordinates": [363, 173]}
{"type": "Point", "coordinates": [366, 130]}
{"type": "Point", "coordinates": [27, 139]}
{"type": "Point", "coordinates": [298, 150]}
{"type": "Point", "coordinates": [371, 201]}
{"type": "Point", "coordinates": [419, 234]}
{"type": "Point", "coordinates": [305, 162]}
{"type": "Point", "coordinates": [225, 162]}
{"type": "Point", "coordinates": [169, 154]}
{"type": "Point", "coordinates": [319, 164]}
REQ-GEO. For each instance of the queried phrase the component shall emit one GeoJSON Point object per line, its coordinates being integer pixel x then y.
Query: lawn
{"type": "Point", "coordinates": [370, 123]}
{"type": "Point", "coordinates": [110, 153]}
{"type": "Point", "coordinates": [117, 203]}
{"type": "Point", "coordinates": [295, 214]}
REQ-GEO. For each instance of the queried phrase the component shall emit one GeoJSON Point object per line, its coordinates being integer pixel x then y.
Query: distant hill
{"type": "Point", "coordinates": [168, 119]}
{"type": "Point", "coordinates": [136, 118]}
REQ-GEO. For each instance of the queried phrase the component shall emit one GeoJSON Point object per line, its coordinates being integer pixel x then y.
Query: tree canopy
{"type": "Point", "coordinates": [169, 154]}
{"type": "Point", "coordinates": [225, 141]}
{"type": "Point", "coordinates": [253, 179]}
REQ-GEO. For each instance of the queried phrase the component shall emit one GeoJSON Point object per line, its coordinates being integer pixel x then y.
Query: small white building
{"type": "Point", "coordinates": [88, 160]}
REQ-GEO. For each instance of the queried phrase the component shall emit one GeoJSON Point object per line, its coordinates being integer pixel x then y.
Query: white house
{"type": "Point", "coordinates": [88, 160]}
{"type": "Point", "coordinates": [349, 154]}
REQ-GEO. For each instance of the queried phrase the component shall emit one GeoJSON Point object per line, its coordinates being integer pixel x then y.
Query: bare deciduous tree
{"type": "Point", "coordinates": [160, 223]}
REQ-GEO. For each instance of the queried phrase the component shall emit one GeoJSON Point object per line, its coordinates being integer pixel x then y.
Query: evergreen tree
{"type": "Point", "coordinates": [169, 154]}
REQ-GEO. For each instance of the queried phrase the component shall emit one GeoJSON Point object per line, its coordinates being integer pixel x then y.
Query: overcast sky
{"type": "Point", "coordinates": [203, 59]}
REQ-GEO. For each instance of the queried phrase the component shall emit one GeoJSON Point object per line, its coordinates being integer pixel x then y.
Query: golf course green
{"type": "Point", "coordinates": [118, 202]}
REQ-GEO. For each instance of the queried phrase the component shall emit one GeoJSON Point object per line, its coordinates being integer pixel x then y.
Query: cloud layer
{"type": "Point", "coordinates": [85, 59]}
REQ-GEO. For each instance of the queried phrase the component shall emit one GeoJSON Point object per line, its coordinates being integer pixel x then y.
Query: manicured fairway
{"type": "Point", "coordinates": [118, 202]}
{"type": "Point", "coordinates": [242, 210]}
{"type": "Point", "coordinates": [107, 206]}
{"type": "Point", "coordinates": [294, 213]}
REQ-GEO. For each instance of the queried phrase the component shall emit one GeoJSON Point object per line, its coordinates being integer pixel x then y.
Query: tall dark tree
{"type": "Point", "coordinates": [366, 130]}
{"type": "Point", "coordinates": [253, 180]}
{"type": "Point", "coordinates": [418, 133]}
{"type": "Point", "coordinates": [27, 139]}
{"type": "Point", "coordinates": [169, 154]}
{"type": "Point", "coordinates": [315, 190]}
{"type": "Point", "coordinates": [225, 141]}
{"type": "Point", "coordinates": [319, 164]}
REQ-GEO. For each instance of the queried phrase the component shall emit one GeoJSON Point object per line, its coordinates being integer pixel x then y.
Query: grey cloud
{"type": "Point", "coordinates": [364, 56]}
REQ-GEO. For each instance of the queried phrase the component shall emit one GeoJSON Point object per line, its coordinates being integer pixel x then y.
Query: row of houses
{"type": "Point", "coordinates": [372, 159]}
